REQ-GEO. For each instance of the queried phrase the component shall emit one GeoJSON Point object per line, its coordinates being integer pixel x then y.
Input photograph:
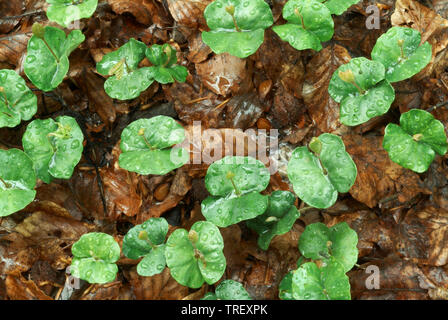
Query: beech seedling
{"type": "Point", "coordinates": [228, 290]}
{"type": "Point", "coordinates": [64, 12]}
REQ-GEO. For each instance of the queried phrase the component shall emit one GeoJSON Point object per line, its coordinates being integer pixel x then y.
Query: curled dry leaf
{"type": "Point", "coordinates": [109, 291]}
{"type": "Point", "coordinates": [17, 254]}
{"type": "Point", "coordinates": [378, 177]}
{"type": "Point", "coordinates": [8, 9]}
{"type": "Point", "coordinates": [146, 12]}
{"type": "Point", "coordinates": [13, 47]}
{"type": "Point", "coordinates": [224, 74]}
{"type": "Point", "coordinates": [18, 288]}
{"type": "Point", "coordinates": [323, 110]}
{"type": "Point", "coordinates": [433, 28]}
{"type": "Point", "coordinates": [189, 13]}
{"type": "Point", "coordinates": [199, 51]}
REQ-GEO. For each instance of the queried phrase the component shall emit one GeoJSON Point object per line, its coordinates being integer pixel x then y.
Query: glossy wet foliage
{"type": "Point", "coordinates": [55, 146]}
{"type": "Point", "coordinates": [64, 12]}
{"type": "Point", "coordinates": [278, 219]}
{"type": "Point", "coordinates": [338, 7]}
{"type": "Point", "coordinates": [146, 146]}
{"type": "Point", "coordinates": [309, 24]}
{"type": "Point", "coordinates": [126, 79]}
{"type": "Point", "coordinates": [318, 242]}
{"type": "Point", "coordinates": [415, 142]}
{"type": "Point", "coordinates": [46, 62]}
{"type": "Point", "coordinates": [164, 69]}
{"type": "Point", "coordinates": [94, 257]}
{"type": "Point", "coordinates": [234, 184]}
{"type": "Point", "coordinates": [17, 181]}
{"type": "Point", "coordinates": [236, 26]}
{"type": "Point", "coordinates": [147, 240]}
{"type": "Point", "coordinates": [228, 290]}
{"type": "Point", "coordinates": [317, 178]}
{"type": "Point", "coordinates": [362, 91]}
{"type": "Point", "coordinates": [196, 256]}
{"type": "Point", "coordinates": [17, 101]}
{"type": "Point", "coordinates": [329, 282]}
{"type": "Point", "coordinates": [401, 52]}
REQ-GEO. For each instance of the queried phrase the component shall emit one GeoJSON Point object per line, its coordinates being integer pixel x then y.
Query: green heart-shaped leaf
{"type": "Point", "coordinates": [94, 257]}
{"type": "Point", "coordinates": [196, 257]}
{"type": "Point", "coordinates": [64, 12]}
{"type": "Point", "coordinates": [278, 218]}
{"type": "Point", "coordinates": [360, 88]}
{"type": "Point", "coordinates": [285, 287]}
{"type": "Point", "coordinates": [146, 146]}
{"type": "Point", "coordinates": [231, 209]}
{"type": "Point", "coordinates": [147, 240]}
{"type": "Point", "coordinates": [326, 283]}
{"type": "Point", "coordinates": [318, 179]}
{"type": "Point", "coordinates": [414, 144]}
{"type": "Point", "coordinates": [46, 62]}
{"type": "Point", "coordinates": [165, 70]}
{"type": "Point", "coordinates": [126, 80]}
{"type": "Point", "coordinates": [401, 52]}
{"type": "Point", "coordinates": [17, 181]}
{"type": "Point", "coordinates": [17, 101]}
{"type": "Point", "coordinates": [209, 296]}
{"type": "Point", "coordinates": [318, 242]}
{"type": "Point", "coordinates": [244, 174]}
{"type": "Point", "coordinates": [309, 24]}
{"type": "Point", "coordinates": [229, 290]}
{"type": "Point", "coordinates": [54, 146]}
{"type": "Point", "coordinates": [338, 7]}
{"type": "Point", "coordinates": [236, 26]}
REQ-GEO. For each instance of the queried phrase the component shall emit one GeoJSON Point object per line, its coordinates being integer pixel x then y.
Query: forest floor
{"type": "Point", "coordinates": [401, 217]}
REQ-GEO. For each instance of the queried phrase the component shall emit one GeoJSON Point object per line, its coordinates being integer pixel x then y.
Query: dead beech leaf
{"type": "Point", "coordinates": [323, 110]}
{"type": "Point", "coordinates": [8, 9]}
{"type": "Point", "coordinates": [189, 13]}
{"type": "Point", "coordinates": [224, 74]}
{"type": "Point", "coordinates": [53, 235]}
{"type": "Point", "coordinates": [423, 236]}
{"type": "Point", "coordinates": [199, 51]}
{"type": "Point", "coordinates": [17, 254]}
{"type": "Point", "coordinates": [378, 177]}
{"type": "Point", "coordinates": [432, 26]}
{"type": "Point", "coordinates": [243, 111]}
{"type": "Point", "coordinates": [13, 47]}
{"type": "Point", "coordinates": [109, 291]}
{"type": "Point", "coordinates": [18, 288]}
{"type": "Point", "coordinates": [146, 12]}
{"type": "Point", "coordinates": [158, 287]}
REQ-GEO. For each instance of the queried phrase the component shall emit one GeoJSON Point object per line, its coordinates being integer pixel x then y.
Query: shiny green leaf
{"type": "Point", "coordinates": [64, 12]}
{"type": "Point", "coordinates": [164, 69]}
{"type": "Point", "coordinates": [17, 181]}
{"type": "Point", "coordinates": [231, 290]}
{"type": "Point", "coordinates": [401, 52]}
{"type": "Point", "coordinates": [46, 62]}
{"type": "Point", "coordinates": [414, 144]}
{"type": "Point", "coordinates": [54, 146]}
{"type": "Point", "coordinates": [285, 287]}
{"type": "Point", "coordinates": [153, 263]}
{"type": "Point", "coordinates": [17, 101]}
{"type": "Point", "coordinates": [338, 7]}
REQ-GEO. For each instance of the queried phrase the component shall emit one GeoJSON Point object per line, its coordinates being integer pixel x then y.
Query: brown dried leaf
{"type": "Point", "coordinates": [13, 47]}
{"type": "Point", "coordinates": [189, 13]}
{"type": "Point", "coordinates": [8, 9]}
{"type": "Point", "coordinates": [18, 288]}
{"type": "Point", "coordinates": [146, 12]}
{"type": "Point", "coordinates": [17, 254]}
{"type": "Point", "coordinates": [323, 110]}
{"type": "Point", "coordinates": [199, 51]}
{"type": "Point", "coordinates": [379, 177]}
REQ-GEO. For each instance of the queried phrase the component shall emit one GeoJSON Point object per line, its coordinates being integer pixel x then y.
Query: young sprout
{"type": "Point", "coordinates": [118, 69]}
{"type": "Point", "coordinates": [231, 10]}
{"type": "Point", "coordinates": [400, 44]}
{"type": "Point", "coordinates": [316, 145]}
{"type": "Point", "coordinates": [417, 136]}
{"type": "Point", "coordinates": [193, 236]}
{"type": "Point", "coordinates": [39, 31]}
{"type": "Point", "coordinates": [230, 175]}
{"type": "Point", "coordinates": [349, 77]}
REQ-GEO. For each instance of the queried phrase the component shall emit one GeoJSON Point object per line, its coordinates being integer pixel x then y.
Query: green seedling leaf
{"type": "Point", "coordinates": [17, 181]}
{"type": "Point", "coordinates": [46, 62]}
{"type": "Point", "coordinates": [338, 7]}
{"type": "Point", "coordinates": [328, 282]}
{"type": "Point", "coordinates": [234, 184]}
{"type": "Point", "coordinates": [146, 146]}
{"type": "Point", "coordinates": [401, 52]}
{"type": "Point", "coordinates": [126, 79]}
{"type": "Point", "coordinates": [196, 257]}
{"type": "Point", "coordinates": [285, 287]}
{"type": "Point", "coordinates": [317, 178]}
{"type": "Point", "coordinates": [147, 240]}
{"type": "Point", "coordinates": [309, 24]}
{"type": "Point", "coordinates": [278, 218]}
{"type": "Point", "coordinates": [94, 257]}
{"type": "Point", "coordinates": [414, 144]}
{"type": "Point", "coordinates": [236, 26]}
{"type": "Point", "coordinates": [318, 242]}
{"type": "Point", "coordinates": [164, 69]}
{"type": "Point", "coordinates": [54, 146]}
{"type": "Point", "coordinates": [228, 290]}
{"type": "Point", "coordinates": [64, 12]}
{"type": "Point", "coordinates": [360, 88]}
{"type": "Point", "coordinates": [17, 101]}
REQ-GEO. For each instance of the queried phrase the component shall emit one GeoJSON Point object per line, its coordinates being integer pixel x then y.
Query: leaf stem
{"type": "Point", "coordinates": [51, 50]}
{"type": "Point", "coordinates": [2, 90]}
{"type": "Point", "coordinates": [231, 10]}
{"type": "Point", "coordinates": [401, 44]}
{"type": "Point", "coordinates": [5, 184]}
{"type": "Point", "coordinates": [230, 175]}
{"type": "Point", "coordinates": [298, 14]}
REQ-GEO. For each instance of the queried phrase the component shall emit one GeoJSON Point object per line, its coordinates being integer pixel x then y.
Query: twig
{"type": "Point", "coordinates": [439, 105]}
{"type": "Point", "coordinates": [23, 15]}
